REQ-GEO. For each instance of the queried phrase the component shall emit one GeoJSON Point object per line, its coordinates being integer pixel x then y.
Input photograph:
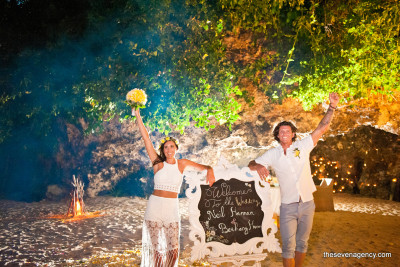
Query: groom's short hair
{"type": "Point", "coordinates": [284, 123]}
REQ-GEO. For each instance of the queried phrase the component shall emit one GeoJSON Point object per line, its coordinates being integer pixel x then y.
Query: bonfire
{"type": "Point", "coordinates": [77, 210]}
{"type": "Point", "coordinates": [77, 206]}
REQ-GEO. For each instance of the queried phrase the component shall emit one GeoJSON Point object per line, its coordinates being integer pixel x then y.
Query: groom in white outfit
{"type": "Point", "coordinates": [291, 163]}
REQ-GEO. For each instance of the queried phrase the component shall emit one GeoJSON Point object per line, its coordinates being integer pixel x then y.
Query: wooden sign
{"type": "Point", "coordinates": [230, 211]}
{"type": "Point", "coordinates": [233, 217]}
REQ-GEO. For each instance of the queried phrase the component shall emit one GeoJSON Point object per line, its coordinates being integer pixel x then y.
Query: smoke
{"type": "Point", "coordinates": [42, 85]}
{"type": "Point", "coordinates": [44, 89]}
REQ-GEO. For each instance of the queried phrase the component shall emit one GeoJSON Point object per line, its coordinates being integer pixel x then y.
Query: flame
{"type": "Point", "coordinates": [78, 208]}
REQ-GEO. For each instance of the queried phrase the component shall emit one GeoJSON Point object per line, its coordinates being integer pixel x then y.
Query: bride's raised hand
{"type": "Point", "coordinates": [135, 112]}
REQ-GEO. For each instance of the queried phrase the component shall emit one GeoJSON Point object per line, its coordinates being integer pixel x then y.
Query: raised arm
{"type": "Point", "coordinates": [146, 138]}
{"type": "Point", "coordinates": [323, 126]}
{"type": "Point", "coordinates": [184, 163]}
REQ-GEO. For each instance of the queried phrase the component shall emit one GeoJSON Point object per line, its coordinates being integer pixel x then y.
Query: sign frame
{"type": "Point", "coordinates": [255, 245]}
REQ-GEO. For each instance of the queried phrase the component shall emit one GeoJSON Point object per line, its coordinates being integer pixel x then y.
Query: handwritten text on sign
{"type": "Point", "coordinates": [230, 211]}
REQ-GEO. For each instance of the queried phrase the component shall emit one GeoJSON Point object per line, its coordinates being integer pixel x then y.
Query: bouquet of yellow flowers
{"type": "Point", "coordinates": [136, 98]}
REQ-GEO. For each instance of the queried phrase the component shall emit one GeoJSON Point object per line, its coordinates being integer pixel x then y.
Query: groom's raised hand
{"type": "Point", "coordinates": [333, 99]}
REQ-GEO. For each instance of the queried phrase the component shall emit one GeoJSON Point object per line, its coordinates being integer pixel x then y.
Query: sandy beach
{"type": "Point", "coordinates": [28, 237]}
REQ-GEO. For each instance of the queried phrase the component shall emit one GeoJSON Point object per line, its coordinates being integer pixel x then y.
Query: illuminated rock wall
{"type": "Point", "coordinates": [118, 164]}
{"type": "Point", "coordinates": [365, 160]}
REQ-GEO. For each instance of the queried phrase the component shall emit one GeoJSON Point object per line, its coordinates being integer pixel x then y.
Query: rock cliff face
{"type": "Point", "coordinates": [364, 160]}
{"type": "Point", "coordinates": [363, 136]}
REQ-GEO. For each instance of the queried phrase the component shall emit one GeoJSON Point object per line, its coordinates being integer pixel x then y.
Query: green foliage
{"type": "Point", "coordinates": [181, 64]}
{"type": "Point", "coordinates": [351, 47]}
{"type": "Point", "coordinates": [175, 51]}
{"type": "Point", "coordinates": [362, 59]}
{"type": "Point", "coordinates": [266, 16]}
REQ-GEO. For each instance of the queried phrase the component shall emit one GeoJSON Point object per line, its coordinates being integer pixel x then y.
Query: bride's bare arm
{"type": "Point", "coordinates": [183, 163]}
{"type": "Point", "coordinates": [146, 138]}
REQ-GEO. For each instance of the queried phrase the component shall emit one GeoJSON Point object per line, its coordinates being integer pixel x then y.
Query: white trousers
{"type": "Point", "coordinates": [160, 236]}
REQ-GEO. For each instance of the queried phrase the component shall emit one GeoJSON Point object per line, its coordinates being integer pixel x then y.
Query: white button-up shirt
{"type": "Point", "coordinates": [292, 170]}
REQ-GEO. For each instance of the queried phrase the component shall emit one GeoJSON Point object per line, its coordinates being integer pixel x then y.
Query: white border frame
{"type": "Point", "coordinates": [201, 249]}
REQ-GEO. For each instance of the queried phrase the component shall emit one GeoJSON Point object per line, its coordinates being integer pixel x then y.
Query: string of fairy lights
{"type": "Point", "coordinates": [343, 175]}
